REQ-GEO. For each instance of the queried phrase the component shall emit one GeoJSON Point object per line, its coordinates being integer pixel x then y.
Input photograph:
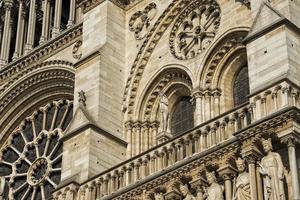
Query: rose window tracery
{"type": "Point", "coordinates": [31, 157]}
{"type": "Point", "coordinates": [195, 29]}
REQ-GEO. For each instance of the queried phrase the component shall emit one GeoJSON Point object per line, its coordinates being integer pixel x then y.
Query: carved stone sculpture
{"type": "Point", "coordinates": [194, 29]}
{"type": "Point", "coordinates": [186, 193]}
{"type": "Point", "coordinates": [215, 190]}
{"type": "Point", "coordinates": [159, 196]}
{"type": "Point", "coordinates": [241, 186]}
{"type": "Point", "coordinates": [140, 22]}
{"type": "Point", "coordinates": [272, 171]}
{"type": "Point", "coordinates": [164, 111]}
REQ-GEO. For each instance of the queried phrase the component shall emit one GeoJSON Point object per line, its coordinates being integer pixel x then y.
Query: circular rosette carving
{"type": "Point", "coordinates": [195, 29]}
{"type": "Point", "coordinates": [30, 159]}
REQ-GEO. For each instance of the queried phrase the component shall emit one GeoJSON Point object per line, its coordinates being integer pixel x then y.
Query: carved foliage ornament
{"type": "Point", "coordinates": [31, 158]}
{"type": "Point", "coordinates": [195, 29]}
{"type": "Point", "coordinates": [140, 22]}
{"type": "Point", "coordinates": [77, 52]}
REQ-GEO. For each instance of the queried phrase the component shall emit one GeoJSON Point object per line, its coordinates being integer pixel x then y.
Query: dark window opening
{"type": "Point", "coordinates": [183, 116]}
{"type": "Point", "coordinates": [241, 86]}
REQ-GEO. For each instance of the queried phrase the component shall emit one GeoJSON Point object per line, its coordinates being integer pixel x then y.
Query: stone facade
{"type": "Point", "coordinates": [91, 93]}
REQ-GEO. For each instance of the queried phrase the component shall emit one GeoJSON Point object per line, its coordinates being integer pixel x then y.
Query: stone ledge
{"type": "Point", "coordinates": [96, 129]}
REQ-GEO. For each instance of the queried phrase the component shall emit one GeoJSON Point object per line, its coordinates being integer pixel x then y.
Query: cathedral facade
{"type": "Point", "coordinates": [150, 99]}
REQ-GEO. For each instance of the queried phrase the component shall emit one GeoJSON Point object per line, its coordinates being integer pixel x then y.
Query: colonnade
{"type": "Point", "coordinates": [25, 22]}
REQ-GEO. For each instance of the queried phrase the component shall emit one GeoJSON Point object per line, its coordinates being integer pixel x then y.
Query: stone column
{"type": "Point", "coordinates": [31, 27]}
{"type": "Point", "coordinates": [20, 31]}
{"type": "Point", "coordinates": [207, 105]}
{"type": "Point", "coordinates": [154, 130]}
{"type": "Point", "coordinates": [6, 39]}
{"type": "Point", "coordinates": [138, 138]}
{"type": "Point", "coordinates": [46, 20]}
{"type": "Point", "coordinates": [145, 136]}
{"type": "Point", "coordinates": [227, 172]}
{"type": "Point", "coordinates": [198, 101]}
{"type": "Point", "coordinates": [128, 129]}
{"type": "Point", "coordinates": [57, 18]}
{"type": "Point", "coordinates": [291, 141]}
{"type": "Point", "coordinates": [1, 31]}
{"type": "Point", "coordinates": [71, 20]}
{"type": "Point", "coordinates": [216, 105]}
{"type": "Point", "coordinates": [252, 175]}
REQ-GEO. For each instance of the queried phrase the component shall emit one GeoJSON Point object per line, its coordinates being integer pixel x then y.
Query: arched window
{"type": "Point", "coordinates": [241, 86]}
{"type": "Point", "coordinates": [183, 116]}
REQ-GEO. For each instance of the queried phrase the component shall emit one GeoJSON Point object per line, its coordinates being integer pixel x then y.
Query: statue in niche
{"type": "Point", "coordinates": [241, 185]}
{"type": "Point", "coordinates": [186, 193]}
{"type": "Point", "coordinates": [164, 111]}
{"type": "Point", "coordinates": [272, 170]}
{"type": "Point", "coordinates": [214, 190]}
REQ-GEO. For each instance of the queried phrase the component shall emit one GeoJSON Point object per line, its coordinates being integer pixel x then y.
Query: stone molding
{"type": "Point", "coordinates": [41, 52]}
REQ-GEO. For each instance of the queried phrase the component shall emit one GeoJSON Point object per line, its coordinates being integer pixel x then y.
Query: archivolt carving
{"type": "Point", "coordinates": [140, 21]}
{"type": "Point", "coordinates": [147, 47]}
{"type": "Point", "coordinates": [227, 46]}
{"type": "Point", "coordinates": [163, 81]}
{"type": "Point", "coordinates": [195, 29]}
{"type": "Point", "coordinates": [31, 156]}
{"type": "Point", "coordinates": [31, 85]}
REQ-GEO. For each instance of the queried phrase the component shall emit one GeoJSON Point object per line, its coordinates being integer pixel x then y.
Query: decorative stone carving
{"type": "Point", "coordinates": [140, 22]}
{"type": "Point", "coordinates": [159, 196]}
{"type": "Point", "coordinates": [186, 193]}
{"type": "Point", "coordinates": [272, 170]}
{"type": "Point", "coordinates": [164, 112]}
{"type": "Point", "coordinates": [214, 191]}
{"type": "Point", "coordinates": [241, 187]}
{"type": "Point", "coordinates": [32, 154]}
{"type": "Point", "coordinates": [77, 52]}
{"type": "Point", "coordinates": [195, 29]}
{"type": "Point", "coordinates": [82, 98]}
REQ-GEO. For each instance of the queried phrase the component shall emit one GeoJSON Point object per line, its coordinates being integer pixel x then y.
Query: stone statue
{"type": "Point", "coordinates": [2, 187]}
{"type": "Point", "coordinates": [241, 190]}
{"type": "Point", "coordinates": [186, 193]}
{"type": "Point", "coordinates": [272, 170]}
{"type": "Point", "coordinates": [215, 190]}
{"type": "Point", "coordinates": [159, 196]}
{"type": "Point", "coordinates": [164, 111]}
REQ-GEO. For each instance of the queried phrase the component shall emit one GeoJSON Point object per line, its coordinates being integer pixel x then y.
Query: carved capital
{"type": "Point", "coordinates": [250, 150]}
{"type": "Point", "coordinates": [290, 139]}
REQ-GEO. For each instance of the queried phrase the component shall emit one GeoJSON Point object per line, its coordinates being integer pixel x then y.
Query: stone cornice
{"type": "Point", "coordinates": [40, 52]}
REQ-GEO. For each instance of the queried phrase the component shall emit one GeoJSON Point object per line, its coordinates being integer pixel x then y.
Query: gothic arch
{"type": "Point", "coordinates": [24, 92]}
{"type": "Point", "coordinates": [227, 55]}
{"type": "Point", "coordinates": [172, 80]}
{"type": "Point", "coordinates": [38, 97]}
{"type": "Point", "coordinates": [149, 44]}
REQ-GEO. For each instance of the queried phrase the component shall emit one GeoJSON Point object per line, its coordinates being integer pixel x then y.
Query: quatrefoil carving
{"type": "Point", "coordinates": [140, 22]}
{"type": "Point", "coordinates": [195, 29]}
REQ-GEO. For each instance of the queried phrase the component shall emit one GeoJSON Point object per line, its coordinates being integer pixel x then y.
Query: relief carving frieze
{"type": "Point", "coordinates": [194, 29]}
{"type": "Point", "coordinates": [140, 22]}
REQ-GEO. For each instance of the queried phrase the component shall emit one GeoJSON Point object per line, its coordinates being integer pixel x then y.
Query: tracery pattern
{"type": "Point", "coordinates": [31, 157]}
{"type": "Point", "coordinates": [195, 29]}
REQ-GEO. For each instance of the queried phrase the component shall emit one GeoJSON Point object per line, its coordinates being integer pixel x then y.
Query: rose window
{"type": "Point", "coordinates": [195, 29]}
{"type": "Point", "coordinates": [31, 157]}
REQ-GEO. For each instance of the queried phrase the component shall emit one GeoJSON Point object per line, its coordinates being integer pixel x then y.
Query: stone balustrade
{"type": "Point", "coordinates": [276, 97]}
{"type": "Point", "coordinates": [200, 139]}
